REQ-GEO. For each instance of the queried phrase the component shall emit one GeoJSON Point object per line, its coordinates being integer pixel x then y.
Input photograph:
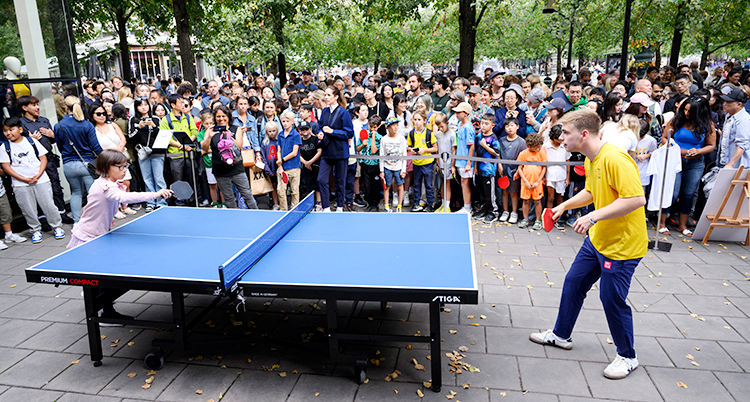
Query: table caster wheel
{"type": "Point", "coordinates": [154, 361]}
{"type": "Point", "coordinates": [98, 363]}
{"type": "Point", "coordinates": [435, 389]}
{"type": "Point", "coordinates": [360, 373]}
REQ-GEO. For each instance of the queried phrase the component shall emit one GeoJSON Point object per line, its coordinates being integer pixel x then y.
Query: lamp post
{"type": "Point", "coordinates": [625, 40]}
{"type": "Point", "coordinates": [549, 9]}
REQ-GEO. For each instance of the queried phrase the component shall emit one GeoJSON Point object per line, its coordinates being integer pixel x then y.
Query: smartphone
{"type": "Point", "coordinates": [145, 119]}
{"type": "Point", "coordinates": [219, 129]}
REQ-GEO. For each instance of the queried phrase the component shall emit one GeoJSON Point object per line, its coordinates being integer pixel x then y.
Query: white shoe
{"type": "Point", "coordinates": [504, 217]}
{"type": "Point", "coordinates": [407, 203]}
{"type": "Point", "coordinates": [327, 209]}
{"type": "Point", "coordinates": [549, 338]}
{"type": "Point", "coordinates": [513, 218]}
{"type": "Point", "coordinates": [15, 238]}
{"type": "Point", "coordinates": [59, 234]}
{"type": "Point", "coordinates": [120, 215]}
{"type": "Point", "coordinates": [621, 367]}
{"type": "Point", "coordinates": [276, 207]}
{"type": "Point", "coordinates": [129, 211]}
{"type": "Point", "coordinates": [3, 246]}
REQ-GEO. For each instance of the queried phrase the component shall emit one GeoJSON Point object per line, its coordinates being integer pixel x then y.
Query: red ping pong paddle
{"type": "Point", "coordinates": [503, 182]}
{"type": "Point", "coordinates": [547, 221]}
{"type": "Point", "coordinates": [363, 134]}
{"type": "Point", "coordinates": [580, 170]}
{"type": "Point", "coordinates": [383, 181]}
{"type": "Point", "coordinates": [284, 177]}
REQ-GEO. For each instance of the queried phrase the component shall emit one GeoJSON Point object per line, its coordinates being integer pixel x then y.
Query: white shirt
{"type": "Point", "coordinates": [559, 154]}
{"type": "Point", "coordinates": [646, 145]}
{"type": "Point", "coordinates": [656, 170]}
{"type": "Point", "coordinates": [23, 160]}
{"type": "Point", "coordinates": [623, 138]}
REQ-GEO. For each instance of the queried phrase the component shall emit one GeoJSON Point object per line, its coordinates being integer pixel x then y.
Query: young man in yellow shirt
{"type": "Point", "coordinates": [616, 242]}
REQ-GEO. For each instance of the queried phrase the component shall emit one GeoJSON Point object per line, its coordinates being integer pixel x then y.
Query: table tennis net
{"type": "Point", "coordinates": [234, 268]}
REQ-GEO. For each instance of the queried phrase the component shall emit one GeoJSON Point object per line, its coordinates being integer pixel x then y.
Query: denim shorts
{"type": "Point", "coordinates": [393, 176]}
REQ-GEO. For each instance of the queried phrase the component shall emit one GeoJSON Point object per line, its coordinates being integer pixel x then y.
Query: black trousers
{"type": "Point", "coordinates": [370, 176]}
{"type": "Point", "coordinates": [57, 190]}
{"type": "Point", "coordinates": [338, 166]}
{"type": "Point", "coordinates": [484, 187]}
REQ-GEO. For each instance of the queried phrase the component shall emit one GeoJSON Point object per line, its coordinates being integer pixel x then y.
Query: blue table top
{"type": "Point", "coordinates": [372, 250]}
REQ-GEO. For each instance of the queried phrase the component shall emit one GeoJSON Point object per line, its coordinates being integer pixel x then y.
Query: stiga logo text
{"type": "Point", "coordinates": [447, 299]}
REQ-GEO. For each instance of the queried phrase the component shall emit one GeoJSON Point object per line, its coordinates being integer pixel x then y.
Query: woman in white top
{"type": "Point", "coordinates": [111, 137]}
{"type": "Point", "coordinates": [623, 133]}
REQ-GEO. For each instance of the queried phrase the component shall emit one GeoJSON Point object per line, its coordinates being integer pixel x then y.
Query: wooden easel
{"type": "Point", "coordinates": [722, 221]}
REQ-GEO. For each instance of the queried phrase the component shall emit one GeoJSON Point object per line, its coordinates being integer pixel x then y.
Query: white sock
{"type": "Point", "coordinates": [8, 234]}
{"type": "Point", "coordinates": [467, 207]}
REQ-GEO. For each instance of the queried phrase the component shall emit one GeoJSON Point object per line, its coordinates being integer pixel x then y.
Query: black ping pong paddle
{"type": "Point", "coordinates": [182, 190]}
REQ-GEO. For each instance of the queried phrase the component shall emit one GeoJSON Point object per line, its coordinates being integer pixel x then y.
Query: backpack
{"type": "Point", "coordinates": [427, 138]}
{"type": "Point", "coordinates": [169, 120]}
{"type": "Point", "coordinates": [31, 141]}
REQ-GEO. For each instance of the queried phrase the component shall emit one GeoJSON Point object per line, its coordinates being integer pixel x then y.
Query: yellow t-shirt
{"type": "Point", "coordinates": [611, 175]}
{"type": "Point", "coordinates": [419, 139]}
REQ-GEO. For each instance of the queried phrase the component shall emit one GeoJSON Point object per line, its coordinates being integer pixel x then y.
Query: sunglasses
{"type": "Point", "coordinates": [122, 167]}
{"type": "Point", "coordinates": [100, 114]}
{"type": "Point", "coordinates": [452, 99]}
{"type": "Point", "coordinates": [141, 98]}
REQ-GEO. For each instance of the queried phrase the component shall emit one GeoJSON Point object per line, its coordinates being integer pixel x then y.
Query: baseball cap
{"type": "Point", "coordinates": [535, 96]}
{"type": "Point", "coordinates": [391, 120]}
{"type": "Point", "coordinates": [642, 99]}
{"type": "Point", "coordinates": [463, 107]}
{"type": "Point", "coordinates": [735, 95]}
{"type": "Point", "coordinates": [304, 125]}
{"type": "Point", "coordinates": [306, 72]}
{"type": "Point", "coordinates": [557, 103]}
{"type": "Point", "coordinates": [474, 90]}
{"type": "Point", "coordinates": [495, 74]}
{"type": "Point", "coordinates": [359, 98]}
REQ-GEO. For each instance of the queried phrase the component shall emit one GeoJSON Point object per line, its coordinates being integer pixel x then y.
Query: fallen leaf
{"type": "Point", "coordinates": [12, 286]}
{"type": "Point", "coordinates": [470, 316]}
{"type": "Point", "coordinates": [199, 391]}
{"type": "Point", "coordinates": [727, 327]}
{"type": "Point", "coordinates": [427, 384]}
{"type": "Point", "coordinates": [609, 341]}
{"type": "Point", "coordinates": [502, 394]}
{"type": "Point", "coordinates": [151, 372]}
{"type": "Point", "coordinates": [474, 324]}
{"type": "Point", "coordinates": [529, 287]}
{"type": "Point", "coordinates": [420, 394]}
{"type": "Point", "coordinates": [395, 390]}
{"type": "Point", "coordinates": [452, 331]}
{"type": "Point", "coordinates": [463, 348]}
{"type": "Point", "coordinates": [694, 315]}
{"type": "Point", "coordinates": [282, 374]}
{"type": "Point", "coordinates": [447, 310]}
{"type": "Point", "coordinates": [550, 283]}
{"type": "Point", "coordinates": [698, 349]}
{"type": "Point", "coordinates": [408, 347]}
{"type": "Point", "coordinates": [150, 380]}
{"type": "Point", "coordinates": [317, 393]}
{"type": "Point", "coordinates": [365, 381]}
{"type": "Point", "coordinates": [701, 319]}
{"type": "Point", "coordinates": [131, 375]}
{"type": "Point", "coordinates": [690, 357]}
{"type": "Point", "coordinates": [681, 384]}
{"type": "Point", "coordinates": [75, 362]}
{"type": "Point", "coordinates": [482, 317]}
{"type": "Point", "coordinates": [146, 386]}
{"type": "Point", "coordinates": [695, 364]}
{"type": "Point", "coordinates": [453, 393]}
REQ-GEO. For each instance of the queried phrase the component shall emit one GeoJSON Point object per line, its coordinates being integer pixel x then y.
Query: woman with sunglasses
{"type": "Point", "coordinates": [143, 129]}
{"type": "Point", "coordinates": [110, 136]}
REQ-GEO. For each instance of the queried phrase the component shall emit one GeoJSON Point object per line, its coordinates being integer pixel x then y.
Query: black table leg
{"type": "Point", "coordinates": [436, 357]}
{"type": "Point", "coordinates": [95, 341]}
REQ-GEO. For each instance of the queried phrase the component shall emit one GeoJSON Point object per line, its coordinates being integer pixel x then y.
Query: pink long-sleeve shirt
{"type": "Point", "coordinates": [103, 199]}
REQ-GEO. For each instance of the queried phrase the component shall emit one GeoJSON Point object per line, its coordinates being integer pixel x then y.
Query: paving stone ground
{"type": "Point", "coordinates": [691, 310]}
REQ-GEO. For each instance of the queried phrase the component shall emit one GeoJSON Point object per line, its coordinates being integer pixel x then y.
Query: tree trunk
{"type": "Point", "coordinates": [559, 59]}
{"type": "Point", "coordinates": [467, 17]}
{"type": "Point", "coordinates": [674, 57]}
{"type": "Point", "coordinates": [704, 54]}
{"type": "Point", "coordinates": [182, 23]}
{"type": "Point", "coordinates": [581, 60]}
{"type": "Point", "coordinates": [377, 62]}
{"type": "Point", "coordinates": [278, 32]}
{"type": "Point", "coordinates": [657, 54]}
{"type": "Point", "coordinates": [122, 34]}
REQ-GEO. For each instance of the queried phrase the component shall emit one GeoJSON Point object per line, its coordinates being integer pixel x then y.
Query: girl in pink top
{"type": "Point", "coordinates": [105, 196]}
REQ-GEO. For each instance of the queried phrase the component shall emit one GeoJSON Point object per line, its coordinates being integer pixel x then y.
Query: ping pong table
{"type": "Point", "coordinates": [418, 258]}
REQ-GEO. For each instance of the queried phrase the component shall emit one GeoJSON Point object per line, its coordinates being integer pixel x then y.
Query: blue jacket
{"type": "Point", "coordinates": [83, 136]}
{"type": "Point", "coordinates": [336, 144]}
{"type": "Point", "coordinates": [500, 120]}
{"type": "Point", "coordinates": [205, 102]}
{"type": "Point", "coordinates": [252, 128]}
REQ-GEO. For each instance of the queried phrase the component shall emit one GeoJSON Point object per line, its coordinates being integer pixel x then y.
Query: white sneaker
{"type": "Point", "coordinates": [513, 218]}
{"type": "Point", "coordinates": [504, 216]}
{"type": "Point", "coordinates": [3, 246]}
{"type": "Point", "coordinates": [621, 367]}
{"type": "Point", "coordinates": [120, 215]}
{"type": "Point", "coordinates": [15, 238]}
{"type": "Point", "coordinates": [36, 237]}
{"type": "Point", "coordinates": [129, 211]}
{"type": "Point", "coordinates": [327, 209]}
{"type": "Point", "coordinates": [407, 201]}
{"type": "Point", "coordinates": [59, 234]}
{"type": "Point", "coordinates": [549, 338]}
